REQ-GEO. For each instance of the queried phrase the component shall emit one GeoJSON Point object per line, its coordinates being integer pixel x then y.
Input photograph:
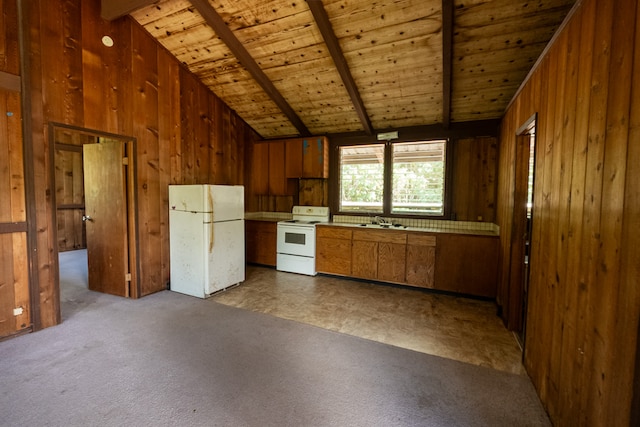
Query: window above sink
{"type": "Point", "coordinates": [400, 178]}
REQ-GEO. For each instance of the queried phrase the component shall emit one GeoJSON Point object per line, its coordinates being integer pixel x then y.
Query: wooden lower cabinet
{"type": "Point", "coordinates": [467, 264]}
{"type": "Point", "coordinates": [421, 260]}
{"type": "Point", "coordinates": [379, 255]}
{"type": "Point", "coordinates": [460, 263]}
{"type": "Point", "coordinates": [364, 259]}
{"type": "Point", "coordinates": [260, 242]}
{"type": "Point", "coordinates": [333, 250]}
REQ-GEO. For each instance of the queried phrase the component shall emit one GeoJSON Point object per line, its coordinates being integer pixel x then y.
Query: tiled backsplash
{"type": "Point", "coordinates": [424, 223]}
{"type": "Point", "coordinates": [409, 222]}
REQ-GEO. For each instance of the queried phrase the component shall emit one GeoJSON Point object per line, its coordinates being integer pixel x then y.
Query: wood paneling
{"type": "Point", "coordinates": [184, 134]}
{"type": "Point", "coordinates": [474, 179]}
{"type": "Point", "coordinates": [14, 284]}
{"type": "Point", "coordinates": [584, 302]}
{"type": "Point", "coordinates": [9, 49]}
{"type": "Point", "coordinates": [69, 184]}
{"type": "Point", "coordinates": [14, 277]}
{"type": "Point", "coordinates": [313, 192]}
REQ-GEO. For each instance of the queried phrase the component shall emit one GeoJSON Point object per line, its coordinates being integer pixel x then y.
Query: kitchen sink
{"type": "Point", "coordinates": [393, 226]}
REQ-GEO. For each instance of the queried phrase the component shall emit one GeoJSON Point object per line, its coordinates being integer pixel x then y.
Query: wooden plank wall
{"type": "Point", "coordinates": [14, 280]}
{"type": "Point", "coordinates": [474, 181]}
{"type": "Point", "coordinates": [584, 298]}
{"type": "Point", "coordinates": [184, 133]}
{"type": "Point", "coordinates": [69, 200]}
{"type": "Point", "coordinates": [475, 170]}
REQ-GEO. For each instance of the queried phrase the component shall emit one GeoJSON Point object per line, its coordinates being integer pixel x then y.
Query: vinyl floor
{"type": "Point", "coordinates": [454, 327]}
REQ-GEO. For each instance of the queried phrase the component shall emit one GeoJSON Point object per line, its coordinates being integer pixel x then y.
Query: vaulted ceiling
{"type": "Point", "coordinates": [296, 67]}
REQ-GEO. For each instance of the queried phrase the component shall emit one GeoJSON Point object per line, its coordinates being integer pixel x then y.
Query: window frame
{"type": "Point", "coordinates": [388, 178]}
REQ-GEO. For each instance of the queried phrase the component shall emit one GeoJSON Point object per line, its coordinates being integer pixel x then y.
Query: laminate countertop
{"type": "Point", "coordinates": [439, 230]}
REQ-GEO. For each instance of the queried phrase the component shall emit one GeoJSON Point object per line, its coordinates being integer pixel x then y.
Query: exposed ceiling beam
{"type": "Point", "coordinates": [114, 9]}
{"type": "Point", "coordinates": [330, 39]}
{"type": "Point", "coordinates": [216, 22]}
{"type": "Point", "coordinates": [447, 60]}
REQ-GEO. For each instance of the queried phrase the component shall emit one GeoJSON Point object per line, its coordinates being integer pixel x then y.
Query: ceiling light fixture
{"type": "Point", "coordinates": [387, 136]}
{"type": "Point", "coordinates": [107, 41]}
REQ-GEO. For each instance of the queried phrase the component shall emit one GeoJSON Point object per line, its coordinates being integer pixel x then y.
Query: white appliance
{"type": "Point", "coordinates": [296, 240]}
{"type": "Point", "coordinates": [206, 232]}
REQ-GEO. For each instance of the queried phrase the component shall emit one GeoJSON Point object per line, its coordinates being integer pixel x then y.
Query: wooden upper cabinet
{"type": "Point", "coordinates": [315, 157]}
{"type": "Point", "coordinates": [260, 169]}
{"type": "Point", "coordinates": [293, 166]}
{"type": "Point", "coordinates": [277, 178]}
{"type": "Point", "coordinates": [307, 157]}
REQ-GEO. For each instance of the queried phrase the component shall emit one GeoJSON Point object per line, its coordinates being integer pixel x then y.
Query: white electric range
{"type": "Point", "coordinates": [296, 242]}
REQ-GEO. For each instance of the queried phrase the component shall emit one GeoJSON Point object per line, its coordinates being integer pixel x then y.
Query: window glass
{"type": "Point", "coordinates": [418, 178]}
{"type": "Point", "coordinates": [362, 178]}
{"type": "Point", "coordinates": [415, 170]}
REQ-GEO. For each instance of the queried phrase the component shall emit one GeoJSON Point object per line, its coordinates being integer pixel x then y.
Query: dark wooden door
{"type": "Point", "coordinates": [520, 235]}
{"type": "Point", "coordinates": [105, 193]}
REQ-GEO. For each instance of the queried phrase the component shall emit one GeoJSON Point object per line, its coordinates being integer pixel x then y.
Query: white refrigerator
{"type": "Point", "coordinates": [206, 234]}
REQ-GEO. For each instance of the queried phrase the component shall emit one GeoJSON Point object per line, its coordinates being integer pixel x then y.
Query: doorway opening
{"type": "Point", "coordinates": [95, 214]}
{"type": "Point", "coordinates": [522, 228]}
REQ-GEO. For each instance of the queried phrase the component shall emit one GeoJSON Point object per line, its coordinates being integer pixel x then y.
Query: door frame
{"type": "Point", "coordinates": [520, 227]}
{"type": "Point", "coordinates": [131, 197]}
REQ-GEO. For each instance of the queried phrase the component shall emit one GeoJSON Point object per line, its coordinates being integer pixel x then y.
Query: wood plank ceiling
{"type": "Point", "coordinates": [294, 67]}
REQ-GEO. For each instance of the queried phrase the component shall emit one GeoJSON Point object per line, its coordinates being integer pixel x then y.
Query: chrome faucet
{"type": "Point", "coordinates": [381, 221]}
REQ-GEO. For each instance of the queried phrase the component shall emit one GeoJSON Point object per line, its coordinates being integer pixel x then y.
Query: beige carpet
{"type": "Point", "coordinates": [169, 359]}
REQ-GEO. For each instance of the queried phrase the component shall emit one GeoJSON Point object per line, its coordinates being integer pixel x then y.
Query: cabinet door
{"type": "Point", "coordinates": [333, 250]}
{"type": "Point", "coordinates": [251, 241]}
{"type": "Point", "coordinates": [293, 166]}
{"type": "Point", "coordinates": [315, 157]}
{"type": "Point", "coordinates": [364, 260]}
{"type": "Point", "coordinates": [260, 242]}
{"type": "Point", "coordinates": [260, 169]}
{"type": "Point", "coordinates": [421, 260]}
{"type": "Point", "coordinates": [392, 261]}
{"type": "Point", "coordinates": [267, 245]}
{"type": "Point", "coordinates": [277, 178]}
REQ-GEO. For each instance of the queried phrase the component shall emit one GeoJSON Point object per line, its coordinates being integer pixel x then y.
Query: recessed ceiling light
{"type": "Point", "coordinates": [107, 41]}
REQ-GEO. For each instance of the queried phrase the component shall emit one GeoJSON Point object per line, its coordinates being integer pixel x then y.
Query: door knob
{"type": "Point", "coordinates": [86, 218]}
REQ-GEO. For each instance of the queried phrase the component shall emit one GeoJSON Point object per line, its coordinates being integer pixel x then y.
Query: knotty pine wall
{"type": "Point", "coordinates": [474, 179]}
{"type": "Point", "coordinates": [184, 133]}
{"type": "Point", "coordinates": [584, 295]}
{"type": "Point", "coordinates": [14, 276]}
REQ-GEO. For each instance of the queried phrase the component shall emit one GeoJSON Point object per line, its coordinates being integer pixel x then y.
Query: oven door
{"type": "Point", "coordinates": [296, 240]}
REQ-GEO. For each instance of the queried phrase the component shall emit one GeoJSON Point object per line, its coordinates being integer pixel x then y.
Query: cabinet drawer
{"type": "Point", "coordinates": [333, 232]}
{"type": "Point", "coordinates": [380, 236]}
{"type": "Point", "coordinates": [421, 239]}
